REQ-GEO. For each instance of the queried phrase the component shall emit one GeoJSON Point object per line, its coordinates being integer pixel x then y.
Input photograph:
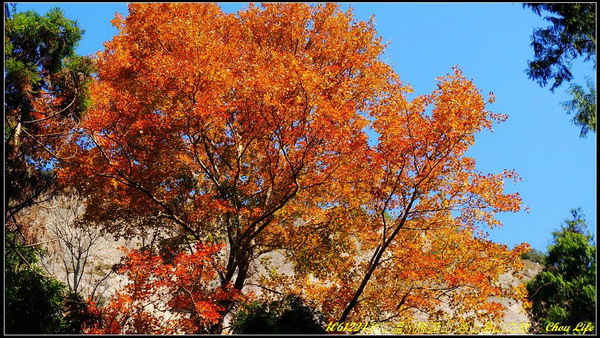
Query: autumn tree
{"type": "Point", "coordinates": [418, 215]}
{"type": "Point", "coordinates": [253, 129]}
{"type": "Point", "coordinates": [246, 142]}
{"type": "Point", "coordinates": [165, 297]}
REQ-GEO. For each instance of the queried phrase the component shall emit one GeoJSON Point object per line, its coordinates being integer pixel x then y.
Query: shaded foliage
{"type": "Point", "coordinates": [572, 35]}
{"type": "Point", "coordinates": [33, 301]}
{"type": "Point", "coordinates": [78, 314]}
{"type": "Point", "coordinates": [289, 315]}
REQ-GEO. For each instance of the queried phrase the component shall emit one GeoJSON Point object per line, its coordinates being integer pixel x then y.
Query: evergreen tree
{"type": "Point", "coordinates": [564, 292]}
{"type": "Point", "coordinates": [45, 95]}
{"type": "Point", "coordinates": [571, 35]}
{"type": "Point", "coordinates": [44, 98]}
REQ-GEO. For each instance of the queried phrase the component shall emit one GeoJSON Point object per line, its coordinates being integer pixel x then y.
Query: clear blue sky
{"type": "Point", "coordinates": [491, 43]}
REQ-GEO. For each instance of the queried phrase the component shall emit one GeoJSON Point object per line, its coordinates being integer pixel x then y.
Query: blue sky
{"type": "Point", "coordinates": [491, 43]}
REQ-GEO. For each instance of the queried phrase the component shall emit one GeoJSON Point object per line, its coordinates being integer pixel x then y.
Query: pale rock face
{"type": "Point", "coordinates": [80, 255]}
{"type": "Point", "coordinates": [56, 222]}
{"type": "Point", "coordinates": [516, 317]}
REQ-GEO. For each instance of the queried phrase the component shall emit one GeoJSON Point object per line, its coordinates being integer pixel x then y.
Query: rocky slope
{"type": "Point", "coordinates": [91, 274]}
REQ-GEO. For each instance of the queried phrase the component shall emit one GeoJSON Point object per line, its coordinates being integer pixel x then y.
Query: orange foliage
{"type": "Point", "coordinates": [166, 298]}
{"type": "Point", "coordinates": [253, 128]}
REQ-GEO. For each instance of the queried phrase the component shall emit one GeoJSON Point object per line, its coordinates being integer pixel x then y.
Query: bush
{"type": "Point", "coordinates": [33, 302]}
{"type": "Point", "coordinates": [289, 315]}
{"type": "Point", "coordinates": [534, 255]}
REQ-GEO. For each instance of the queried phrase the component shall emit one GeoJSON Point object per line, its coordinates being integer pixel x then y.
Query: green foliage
{"type": "Point", "coordinates": [254, 318]}
{"type": "Point", "coordinates": [41, 42]}
{"type": "Point", "coordinates": [564, 292]}
{"type": "Point", "coordinates": [78, 314]}
{"type": "Point", "coordinates": [33, 302]}
{"type": "Point", "coordinates": [572, 35]}
{"type": "Point", "coordinates": [289, 315]}
{"type": "Point", "coordinates": [583, 106]}
{"type": "Point", "coordinates": [534, 255]}
{"type": "Point", "coordinates": [37, 48]}
{"type": "Point", "coordinates": [83, 67]}
{"type": "Point", "coordinates": [40, 67]}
